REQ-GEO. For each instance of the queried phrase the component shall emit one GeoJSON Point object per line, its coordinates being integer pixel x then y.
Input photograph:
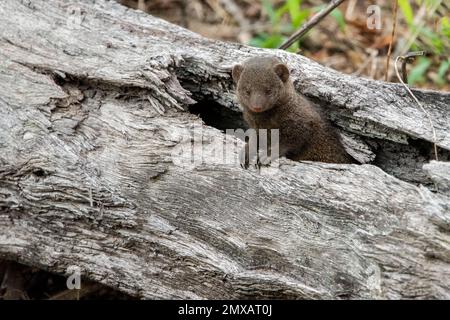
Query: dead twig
{"type": "Point", "coordinates": [404, 58]}
{"type": "Point", "coordinates": [409, 57]}
{"type": "Point", "coordinates": [311, 23]}
{"type": "Point", "coordinates": [394, 26]}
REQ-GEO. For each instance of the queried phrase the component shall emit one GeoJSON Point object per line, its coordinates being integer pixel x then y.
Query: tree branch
{"type": "Point", "coordinates": [311, 23]}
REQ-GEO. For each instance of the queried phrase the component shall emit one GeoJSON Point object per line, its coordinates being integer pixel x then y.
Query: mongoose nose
{"type": "Point", "coordinates": [256, 108]}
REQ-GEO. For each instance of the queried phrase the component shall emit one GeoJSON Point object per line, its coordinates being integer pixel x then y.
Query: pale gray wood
{"type": "Point", "coordinates": [91, 109]}
{"type": "Point", "coordinates": [440, 174]}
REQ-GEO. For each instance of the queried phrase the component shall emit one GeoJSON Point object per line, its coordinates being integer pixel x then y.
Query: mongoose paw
{"type": "Point", "coordinates": [244, 166]}
{"type": "Point", "coordinates": [264, 160]}
{"type": "Point", "coordinates": [246, 160]}
{"type": "Point", "coordinates": [243, 159]}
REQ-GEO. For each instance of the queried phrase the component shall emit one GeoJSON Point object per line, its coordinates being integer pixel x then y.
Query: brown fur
{"type": "Point", "coordinates": [263, 84]}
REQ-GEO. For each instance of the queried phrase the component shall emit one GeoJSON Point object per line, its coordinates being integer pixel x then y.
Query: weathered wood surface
{"type": "Point", "coordinates": [91, 111]}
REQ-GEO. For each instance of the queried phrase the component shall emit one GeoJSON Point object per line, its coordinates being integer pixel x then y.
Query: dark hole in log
{"type": "Point", "coordinates": [404, 161]}
{"type": "Point", "coordinates": [215, 115]}
{"type": "Point", "coordinates": [39, 173]}
{"type": "Point", "coordinates": [21, 282]}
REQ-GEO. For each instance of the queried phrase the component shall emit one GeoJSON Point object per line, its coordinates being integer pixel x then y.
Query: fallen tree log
{"type": "Point", "coordinates": [94, 102]}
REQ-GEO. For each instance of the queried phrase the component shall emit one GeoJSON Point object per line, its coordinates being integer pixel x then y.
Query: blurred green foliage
{"type": "Point", "coordinates": [285, 19]}
{"type": "Point", "coordinates": [436, 42]}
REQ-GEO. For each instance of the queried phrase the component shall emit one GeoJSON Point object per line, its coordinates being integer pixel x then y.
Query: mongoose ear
{"type": "Point", "coordinates": [282, 71]}
{"type": "Point", "coordinates": [236, 72]}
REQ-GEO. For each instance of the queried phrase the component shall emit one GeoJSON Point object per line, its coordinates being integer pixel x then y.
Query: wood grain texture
{"type": "Point", "coordinates": [92, 100]}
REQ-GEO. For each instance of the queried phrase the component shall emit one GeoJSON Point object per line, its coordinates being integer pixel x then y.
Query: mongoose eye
{"type": "Point", "coordinates": [268, 91]}
{"type": "Point", "coordinates": [247, 92]}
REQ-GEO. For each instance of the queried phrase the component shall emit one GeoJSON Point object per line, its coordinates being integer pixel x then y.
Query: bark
{"type": "Point", "coordinates": [94, 105]}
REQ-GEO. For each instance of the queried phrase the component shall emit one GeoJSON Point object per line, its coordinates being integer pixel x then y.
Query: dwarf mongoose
{"type": "Point", "coordinates": [269, 101]}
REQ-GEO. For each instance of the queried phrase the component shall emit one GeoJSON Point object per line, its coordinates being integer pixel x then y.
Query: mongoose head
{"type": "Point", "coordinates": [262, 83]}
